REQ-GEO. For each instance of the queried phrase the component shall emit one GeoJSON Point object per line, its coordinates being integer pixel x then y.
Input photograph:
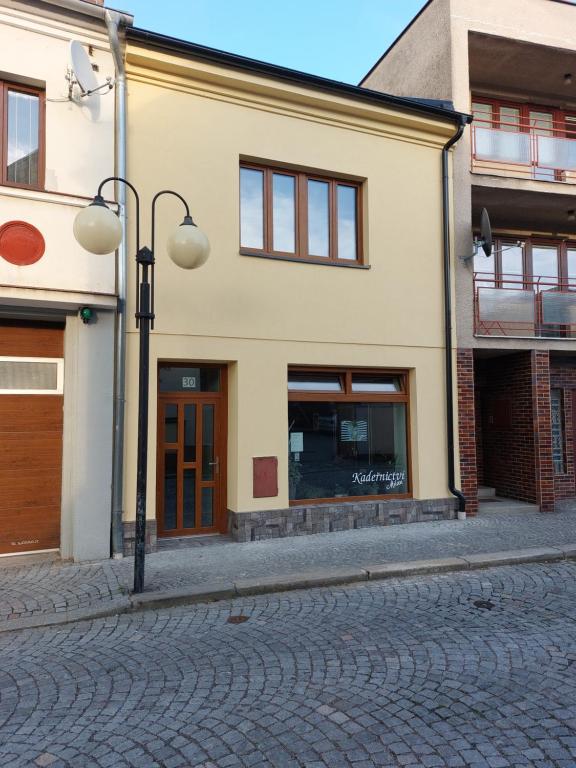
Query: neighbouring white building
{"type": "Point", "coordinates": [57, 302]}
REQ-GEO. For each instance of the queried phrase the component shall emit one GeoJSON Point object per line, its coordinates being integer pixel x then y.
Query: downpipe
{"type": "Point", "coordinates": [113, 20]}
{"type": "Point", "coordinates": [464, 120]}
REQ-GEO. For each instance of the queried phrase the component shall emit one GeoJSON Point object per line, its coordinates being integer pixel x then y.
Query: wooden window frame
{"type": "Point", "coordinates": [560, 126]}
{"type": "Point", "coordinates": [300, 253]}
{"type": "Point", "coordinates": [5, 88]}
{"type": "Point", "coordinates": [347, 396]}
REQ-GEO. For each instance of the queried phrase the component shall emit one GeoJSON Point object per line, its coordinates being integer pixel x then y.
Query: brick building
{"type": "Point", "coordinates": [516, 310]}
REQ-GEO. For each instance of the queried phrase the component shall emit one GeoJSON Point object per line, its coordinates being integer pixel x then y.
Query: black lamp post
{"type": "Point", "coordinates": [99, 231]}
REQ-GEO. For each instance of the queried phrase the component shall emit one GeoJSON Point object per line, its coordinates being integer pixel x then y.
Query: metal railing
{"type": "Point", "coordinates": [542, 150]}
{"type": "Point", "coordinates": [512, 305]}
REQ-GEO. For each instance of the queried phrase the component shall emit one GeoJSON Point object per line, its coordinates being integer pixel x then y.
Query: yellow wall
{"type": "Point", "coordinates": [189, 124]}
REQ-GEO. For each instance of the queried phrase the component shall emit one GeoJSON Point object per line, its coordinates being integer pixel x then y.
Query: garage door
{"type": "Point", "coordinates": [31, 411]}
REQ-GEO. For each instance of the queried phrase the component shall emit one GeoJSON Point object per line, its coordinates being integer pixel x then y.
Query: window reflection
{"type": "Point", "coordinates": [283, 213]}
{"type": "Point", "coordinates": [512, 265]}
{"type": "Point", "coordinates": [318, 219]}
{"type": "Point", "coordinates": [23, 138]}
{"type": "Point", "coordinates": [545, 265]}
{"type": "Point", "coordinates": [251, 208]}
{"type": "Point", "coordinates": [346, 222]}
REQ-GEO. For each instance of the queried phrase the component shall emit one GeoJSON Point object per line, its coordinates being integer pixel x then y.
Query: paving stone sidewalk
{"type": "Point", "coordinates": [46, 592]}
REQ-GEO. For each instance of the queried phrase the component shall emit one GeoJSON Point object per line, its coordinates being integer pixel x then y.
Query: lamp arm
{"type": "Point", "coordinates": [154, 199]}
{"type": "Point", "coordinates": [153, 233]}
{"type": "Point", "coordinates": [137, 197]}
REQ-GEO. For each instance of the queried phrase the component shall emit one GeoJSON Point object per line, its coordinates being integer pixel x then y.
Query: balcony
{"type": "Point", "coordinates": [512, 306]}
{"type": "Point", "coordinates": [525, 149]}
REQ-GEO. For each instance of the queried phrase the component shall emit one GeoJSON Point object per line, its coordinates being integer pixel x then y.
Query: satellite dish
{"type": "Point", "coordinates": [485, 233]}
{"type": "Point", "coordinates": [81, 72]}
{"type": "Point", "coordinates": [82, 68]}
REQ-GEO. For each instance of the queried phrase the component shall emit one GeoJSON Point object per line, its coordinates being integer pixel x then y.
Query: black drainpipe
{"type": "Point", "coordinates": [464, 120]}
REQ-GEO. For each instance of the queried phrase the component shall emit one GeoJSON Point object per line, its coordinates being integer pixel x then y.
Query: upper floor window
{"type": "Point", "coordinates": [290, 214]}
{"type": "Point", "coordinates": [529, 140]}
{"type": "Point", "coordinates": [22, 110]}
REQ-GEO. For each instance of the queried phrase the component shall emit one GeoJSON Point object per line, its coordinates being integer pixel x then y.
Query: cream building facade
{"type": "Point", "coordinates": [57, 302]}
{"type": "Point", "coordinates": [298, 378]}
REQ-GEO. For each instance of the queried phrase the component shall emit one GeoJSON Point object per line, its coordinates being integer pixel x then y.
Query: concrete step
{"type": "Point", "coordinates": [485, 492]}
{"type": "Point", "coordinates": [499, 505]}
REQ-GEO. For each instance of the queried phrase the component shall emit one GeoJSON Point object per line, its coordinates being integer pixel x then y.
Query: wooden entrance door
{"type": "Point", "coordinates": [191, 463]}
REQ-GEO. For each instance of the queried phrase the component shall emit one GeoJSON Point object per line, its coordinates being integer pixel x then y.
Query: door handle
{"type": "Point", "coordinates": [215, 463]}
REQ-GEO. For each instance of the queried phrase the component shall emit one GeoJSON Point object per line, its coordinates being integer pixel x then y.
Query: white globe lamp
{"type": "Point", "coordinates": [188, 246]}
{"type": "Point", "coordinates": [97, 228]}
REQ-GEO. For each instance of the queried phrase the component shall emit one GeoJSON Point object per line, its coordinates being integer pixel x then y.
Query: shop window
{"type": "Point", "coordinates": [290, 214]}
{"type": "Point", "coordinates": [22, 136]}
{"type": "Point", "coordinates": [558, 454]}
{"type": "Point", "coordinates": [351, 442]}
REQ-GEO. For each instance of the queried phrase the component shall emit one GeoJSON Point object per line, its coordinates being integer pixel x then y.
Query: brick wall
{"type": "Point", "coordinates": [516, 433]}
{"type": "Point", "coordinates": [544, 465]}
{"type": "Point", "coordinates": [508, 425]}
{"type": "Point", "coordinates": [563, 377]}
{"type": "Point", "coordinates": [467, 429]}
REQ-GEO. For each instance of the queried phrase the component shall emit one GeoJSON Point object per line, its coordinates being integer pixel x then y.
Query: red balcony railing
{"type": "Point", "coordinates": [534, 149]}
{"type": "Point", "coordinates": [512, 305]}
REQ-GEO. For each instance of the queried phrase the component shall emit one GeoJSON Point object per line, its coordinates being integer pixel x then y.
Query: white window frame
{"type": "Point", "coordinates": [59, 375]}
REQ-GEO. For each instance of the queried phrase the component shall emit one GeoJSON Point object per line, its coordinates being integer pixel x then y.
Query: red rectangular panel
{"type": "Point", "coordinates": [265, 476]}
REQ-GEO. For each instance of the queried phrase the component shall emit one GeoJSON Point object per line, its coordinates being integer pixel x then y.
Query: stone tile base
{"type": "Point", "coordinates": [324, 518]}
{"type": "Point", "coordinates": [151, 540]}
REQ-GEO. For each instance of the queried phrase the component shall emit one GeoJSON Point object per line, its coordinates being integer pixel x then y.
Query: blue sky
{"type": "Point", "coordinates": [340, 39]}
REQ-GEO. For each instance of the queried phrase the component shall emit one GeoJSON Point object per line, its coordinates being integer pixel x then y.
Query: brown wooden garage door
{"type": "Point", "coordinates": [30, 435]}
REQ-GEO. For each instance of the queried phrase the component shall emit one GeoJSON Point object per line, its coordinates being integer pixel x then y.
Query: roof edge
{"type": "Point", "coordinates": [213, 55]}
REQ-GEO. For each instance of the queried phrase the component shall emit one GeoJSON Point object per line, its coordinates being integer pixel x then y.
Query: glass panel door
{"type": "Point", "coordinates": [188, 464]}
{"type": "Point", "coordinates": [542, 129]}
{"type": "Point", "coordinates": [545, 266]}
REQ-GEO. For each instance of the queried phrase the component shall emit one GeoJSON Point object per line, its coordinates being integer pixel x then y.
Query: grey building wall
{"type": "Point", "coordinates": [88, 433]}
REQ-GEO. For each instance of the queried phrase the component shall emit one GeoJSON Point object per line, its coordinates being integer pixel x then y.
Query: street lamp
{"type": "Point", "coordinates": [99, 231]}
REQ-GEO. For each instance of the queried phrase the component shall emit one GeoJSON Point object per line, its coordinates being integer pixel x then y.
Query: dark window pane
{"type": "Point", "coordinates": [23, 138]}
{"type": "Point", "coordinates": [251, 208]}
{"type": "Point", "coordinates": [557, 431]}
{"type": "Point", "coordinates": [189, 498]}
{"type": "Point", "coordinates": [170, 490]}
{"type": "Point", "coordinates": [284, 213]}
{"type": "Point", "coordinates": [207, 507]}
{"type": "Point", "coordinates": [373, 383]}
{"type": "Point", "coordinates": [347, 233]}
{"type": "Point", "coordinates": [189, 433]}
{"type": "Point", "coordinates": [207, 442]}
{"type": "Point", "coordinates": [171, 423]}
{"type": "Point", "coordinates": [300, 381]}
{"type": "Point", "coordinates": [318, 218]}
{"type": "Point", "coordinates": [347, 449]}
{"type": "Point", "coordinates": [180, 378]}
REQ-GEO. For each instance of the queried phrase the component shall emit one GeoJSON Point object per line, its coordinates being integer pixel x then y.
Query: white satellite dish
{"type": "Point", "coordinates": [81, 72]}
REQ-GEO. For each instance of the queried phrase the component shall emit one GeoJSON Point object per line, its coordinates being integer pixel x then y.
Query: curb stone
{"type": "Point", "coordinates": [212, 592]}
{"type": "Point", "coordinates": [415, 567]}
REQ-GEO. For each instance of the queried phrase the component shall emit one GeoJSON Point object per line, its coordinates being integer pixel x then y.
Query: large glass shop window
{"type": "Point", "coordinates": [349, 448]}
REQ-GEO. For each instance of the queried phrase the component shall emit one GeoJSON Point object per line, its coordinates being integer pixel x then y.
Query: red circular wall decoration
{"type": "Point", "coordinates": [21, 243]}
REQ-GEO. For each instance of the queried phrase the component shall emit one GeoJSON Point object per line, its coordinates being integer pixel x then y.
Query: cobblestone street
{"type": "Point", "coordinates": [468, 669]}
{"type": "Point", "coordinates": [45, 590]}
